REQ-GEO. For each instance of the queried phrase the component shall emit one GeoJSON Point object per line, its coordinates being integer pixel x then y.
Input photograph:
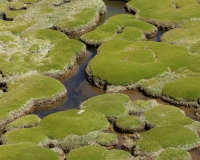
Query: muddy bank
{"type": "Point", "coordinates": [33, 105]}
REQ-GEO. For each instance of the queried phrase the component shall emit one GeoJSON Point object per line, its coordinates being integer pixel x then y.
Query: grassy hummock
{"type": "Point", "coordinates": [164, 137]}
{"type": "Point", "coordinates": [129, 124]}
{"type": "Point", "coordinates": [26, 151]}
{"type": "Point", "coordinates": [129, 26]}
{"type": "Point", "coordinates": [174, 154]}
{"type": "Point", "coordinates": [58, 126]}
{"type": "Point", "coordinates": [166, 15]}
{"type": "Point", "coordinates": [185, 89]}
{"type": "Point", "coordinates": [43, 53]}
{"type": "Point", "coordinates": [97, 153]}
{"type": "Point", "coordinates": [19, 100]}
{"type": "Point", "coordinates": [112, 105]}
{"type": "Point", "coordinates": [163, 115]}
{"type": "Point", "coordinates": [24, 122]}
{"type": "Point", "coordinates": [140, 106]}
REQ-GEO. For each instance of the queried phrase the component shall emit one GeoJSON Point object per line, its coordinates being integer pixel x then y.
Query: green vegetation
{"type": "Point", "coordinates": [129, 124]}
{"type": "Point", "coordinates": [140, 106]}
{"type": "Point", "coordinates": [26, 151]}
{"type": "Point", "coordinates": [163, 115]}
{"type": "Point", "coordinates": [175, 136]}
{"type": "Point", "coordinates": [18, 97]}
{"type": "Point", "coordinates": [111, 105]}
{"type": "Point", "coordinates": [130, 27]}
{"type": "Point", "coordinates": [24, 122]}
{"type": "Point", "coordinates": [58, 126]}
{"type": "Point", "coordinates": [97, 153]}
{"type": "Point", "coordinates": [174, 154]}
{"type": "Point", "coordinates": [185, 89]}
{"type": "Point", "coordinates": [73, 141]}
{"type": "Point", "coordinates": [167, 14]}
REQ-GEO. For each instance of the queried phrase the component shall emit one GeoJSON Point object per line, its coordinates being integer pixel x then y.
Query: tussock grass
{"type": "Point", "coordinates": [24, 122]}
{"type": "Point", "coordinates": [116, 24]}
{"type": "Point", "coordinates": [174, 154]}
{"type": "Point", "coordinates": [26, 151]}
{"type": "Point", "coordinates": [97, 153]}
{"type": "Point", "coordinates": [167, 14]}
{"type": "Point", "coordinates": [111, 105]}
{"type": "Point", "coordinates": [175, 136]}
{"type": "Point", "coordinates": [163, 115]}
{"type": "Point", "coordinates": [129, 124]}
{"type": "Point", "coordinates": [19, 100]}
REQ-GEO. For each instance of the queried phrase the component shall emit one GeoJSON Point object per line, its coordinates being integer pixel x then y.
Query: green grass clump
{"type": "Point", "coordinates": [174, 154]}
{"type": "Point", "coordinates": [73, 141]}
{"type": "Point", "coordinates": [112, 105]}
{"type": "Point", "coordinates": [129, 124]}
{"type": "Point", "coordinates": [61, 124]}
{"type": "Point", "coordinates": [185, 89]}
{"type": "Point", "coordinates": [163, 115]}
{"type": "Point", "coordinates": [175, 136]}
{"type": "Point", "coordinates": [24, 122]}
{"type": "Point", "coordinates": [168, 14]}
{"type": "Point", "coordinates": [97, 153]}
{"type": "Point", "coordinates": [140, 106]}
{"type": "Point", "coordinates": [123, 65]}
{"type": "Point", "coordinates": [6, 38]}
{"type": "Point", "coordinates": [19, 95]}
{"type": "Point", "coordinates": [26, 151]}
{"type": "Point", "coordinates": [116, 24]}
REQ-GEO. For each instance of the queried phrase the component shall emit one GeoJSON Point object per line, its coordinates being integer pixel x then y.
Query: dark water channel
{"type": "Point", "coordinates": [80, 90]}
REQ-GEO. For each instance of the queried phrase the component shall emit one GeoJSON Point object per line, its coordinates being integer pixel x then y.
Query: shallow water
{"type": "Point", "coordinates": [80, 90]}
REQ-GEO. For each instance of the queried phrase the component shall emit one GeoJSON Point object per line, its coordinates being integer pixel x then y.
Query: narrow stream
{"type": "Point", "coordinates": [80, 90]}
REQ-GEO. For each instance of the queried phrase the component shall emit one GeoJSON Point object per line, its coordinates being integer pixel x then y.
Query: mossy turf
{"type": "Point", "coordinates": [174, 154]}
{"type": "Point", "coordinates": [73, 141]}
{"type": "Point", "coordinates": [185, 89]}
{"type": "Point", "coordinates": [26, 151]}
{"type": "Point", "coordinates": [59, 125]}
{"type": "Point", "coordinates": [129, 124]}
{"type": "Point", "coordinates": [24, 122]}
{"type": "Point", "coordinates": [120, 62]}
{"type": "Point", "coordinates": [112, 105]}
{"type": "Point", "coordinates": [175, 136]}
{"type": "Point", "coordinates": [140, 106]}
{"type": "Point", "coordinates": [167, 14]}
{"type": "Point", "coordinates": [163, 115]}
{"type": "Point", "coordinates": [43, 52]}
{"type": "Point", "coordinates": [97, 153]}
{"type": "Point", "coordinates": [19, 96]}
{"type": "Point", "coordinates": [130, 27]}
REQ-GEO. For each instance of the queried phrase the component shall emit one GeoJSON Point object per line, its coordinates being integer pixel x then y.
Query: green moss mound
{"type": "Point", "coordinates": [59, 125]}
{"type": "Point", "coordinates": [140, 106]}
{"type": "Point", "coordinates": [97, 153]}
{"type": "Point", "coordinates": [73, 141]}
{"type": "Point", "coordinates": [175, 136]}
{"type": "Point", "coordinates": [130, 27]}
{"type": "Point", "coordinates": [43, 53]}
{"type": "Point", "coordinates": [129, 124]}
{"type": "Point", "coordinates": [185, 89]}
{"type": "Point", "coordinates": [163, 115]}
{"type": "Point", "coordinates": [168, 14]}
{"type": "Point", "coordinates": [19, 100]}
{"type": "Point", "coordinates": [24, 122]}
{"type": "Point", "coordinates": [174, 154]}
{"type": "Point", "coordinates": [112, 105]}
{"type": "Point", "coordinates": [124, 64]}
{"type": "Point", "coordinates": [26, 151]}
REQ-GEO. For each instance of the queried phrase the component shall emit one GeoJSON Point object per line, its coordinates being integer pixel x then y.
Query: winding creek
{"type": "Point", "coordinates": [80, 90]}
